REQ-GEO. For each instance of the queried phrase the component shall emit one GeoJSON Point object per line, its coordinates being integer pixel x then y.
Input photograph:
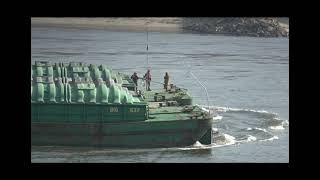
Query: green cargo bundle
{"type": "Point", "coordinates": [76, 104]}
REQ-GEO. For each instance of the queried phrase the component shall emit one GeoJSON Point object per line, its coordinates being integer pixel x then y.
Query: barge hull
{"type": "Point", "coordinates": [120, 134]}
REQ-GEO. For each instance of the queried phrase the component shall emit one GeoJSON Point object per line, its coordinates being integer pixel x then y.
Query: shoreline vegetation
{"type": "Point", "coordinates": [255, 27]}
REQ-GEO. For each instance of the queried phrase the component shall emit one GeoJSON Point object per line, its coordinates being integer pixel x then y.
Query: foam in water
{"type": "Point", "coordinates": [270, 139]}
{"type": "Point", "coordinates": [261, 129]}
{"type": "Point", "coordinates": [217, 117]}
{"type": "Point", "coordinates": [251, 138]}
{"type": "Point", "coordinates": [285, 123]}
{"type": "Point", "coordinates": [198, 144]}
{"type": "Point", "coordinates": [256, 128]}
{"type": "Point", "coordinates": [225, 109]}
{"type": "Point", "coordinates": [230, 139]}
{"type": "Point", "coordinates": [280, 127]}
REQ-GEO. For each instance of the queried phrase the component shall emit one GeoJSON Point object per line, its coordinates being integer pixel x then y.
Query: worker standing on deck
{"type": "Point", "coordinates": [166, 81]}
{"type": "Point", "coordinates": [147, 77]}
{"type": "Point", "coordinates": [135, 78]}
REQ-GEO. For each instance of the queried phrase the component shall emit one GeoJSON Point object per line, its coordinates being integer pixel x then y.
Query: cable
{"type": "Point", "coordinates": [148, 67]}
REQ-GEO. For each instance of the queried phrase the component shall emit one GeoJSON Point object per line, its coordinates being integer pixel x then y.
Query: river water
{"type": "Point", "coordinates": [247, 80]}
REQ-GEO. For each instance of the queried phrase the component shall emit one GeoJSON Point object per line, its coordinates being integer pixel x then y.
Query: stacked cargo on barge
{"type": "Point", "coordinates": [76, 104]}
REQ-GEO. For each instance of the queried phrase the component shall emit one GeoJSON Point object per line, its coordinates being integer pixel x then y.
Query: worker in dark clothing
{"type": "Point", "coordinates": [166, 81]}
{"type": "Point", "coordinates": [135, 78]}
{"type": "Point", "coordinates": [147, 77]}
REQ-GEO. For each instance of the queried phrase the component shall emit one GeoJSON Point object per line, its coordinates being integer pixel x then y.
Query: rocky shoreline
{"type": "Point", "coordinates": [256, 27]}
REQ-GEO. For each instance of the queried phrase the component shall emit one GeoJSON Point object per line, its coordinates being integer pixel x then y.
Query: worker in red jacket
{"type": "Point", "coordinates": [147, 77]}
